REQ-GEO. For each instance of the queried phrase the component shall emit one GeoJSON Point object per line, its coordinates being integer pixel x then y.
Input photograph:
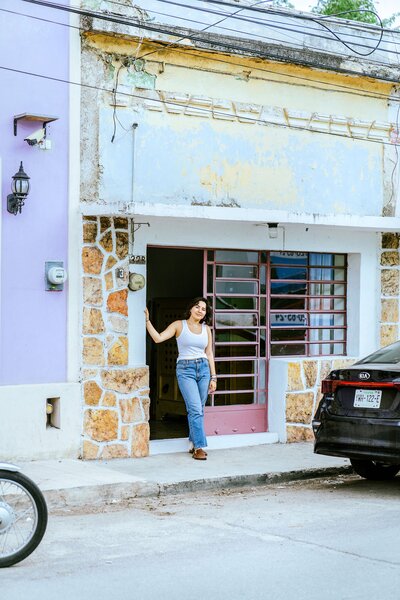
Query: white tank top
{"type": "Point", "coordinates": [192, 345]}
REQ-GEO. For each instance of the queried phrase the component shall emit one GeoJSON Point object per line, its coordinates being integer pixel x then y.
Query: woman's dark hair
{"type": "Point", "coordinates": [207, 319]}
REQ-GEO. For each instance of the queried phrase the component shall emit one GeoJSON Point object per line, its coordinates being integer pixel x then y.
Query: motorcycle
{"type": "Point", "coordinates": [23, 515]}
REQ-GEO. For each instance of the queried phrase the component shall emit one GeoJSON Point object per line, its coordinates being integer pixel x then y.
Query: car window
{"type": "Point", "coordinates": [389, 355]}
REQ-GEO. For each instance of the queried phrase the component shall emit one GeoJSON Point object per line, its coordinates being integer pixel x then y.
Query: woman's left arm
{"type": "Point", "coordinates": [210, 357]}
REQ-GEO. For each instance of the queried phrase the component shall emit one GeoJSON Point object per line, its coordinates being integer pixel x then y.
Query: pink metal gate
{"type": "Point", "coordinates": [235, 283]}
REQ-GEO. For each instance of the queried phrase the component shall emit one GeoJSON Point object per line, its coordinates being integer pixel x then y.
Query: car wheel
{"type": "Point", "coordinates": [370, 469]}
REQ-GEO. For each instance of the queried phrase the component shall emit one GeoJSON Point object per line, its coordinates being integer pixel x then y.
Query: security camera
{"type": "Point", "coordinates": [36, 137]}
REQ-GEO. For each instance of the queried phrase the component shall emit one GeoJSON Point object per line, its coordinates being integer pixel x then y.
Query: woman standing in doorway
{"type": "Point", "coordinates": [195, 367]}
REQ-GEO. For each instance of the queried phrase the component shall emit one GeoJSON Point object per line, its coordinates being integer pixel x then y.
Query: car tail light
{"type": "Point", "coordinates": [329, 386]}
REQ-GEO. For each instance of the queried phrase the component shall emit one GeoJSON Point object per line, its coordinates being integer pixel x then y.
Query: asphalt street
{"type": "Point", "coordinates": [331, 539]}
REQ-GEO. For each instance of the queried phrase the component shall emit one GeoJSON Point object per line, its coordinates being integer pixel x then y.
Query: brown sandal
{"type": "Point", "coordinates": [199, 454]}
{"type": "Point", "coordinates": [192, 450]}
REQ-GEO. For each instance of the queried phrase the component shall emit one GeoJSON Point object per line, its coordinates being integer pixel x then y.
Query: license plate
{"type": "Point", "coordinates": [367, 398]}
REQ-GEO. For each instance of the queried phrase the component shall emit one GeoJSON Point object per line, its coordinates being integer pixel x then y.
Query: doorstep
{"type": "Point", "coordinates": [215, 442]}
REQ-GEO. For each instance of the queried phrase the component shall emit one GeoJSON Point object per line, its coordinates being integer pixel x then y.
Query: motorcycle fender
{"type": "Point", "coordinates": [9, 467]}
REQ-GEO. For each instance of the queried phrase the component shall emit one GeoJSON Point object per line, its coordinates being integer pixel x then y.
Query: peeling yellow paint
{"type": "Point", "coordinates": [248, 182]}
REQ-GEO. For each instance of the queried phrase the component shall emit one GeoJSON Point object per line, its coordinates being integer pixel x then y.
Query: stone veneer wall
{"type": "Point", "coordinates": [390, 265]}
{"type": "Point", "coordinates": [115, 396]}
{"type": "Point", "coordinates": [304, 376]}
{"type": "Point", "coordinates": [304, 393]}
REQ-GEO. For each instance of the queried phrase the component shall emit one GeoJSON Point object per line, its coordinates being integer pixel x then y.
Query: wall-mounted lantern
{"type": "Point", "coordinates": [20, 189]}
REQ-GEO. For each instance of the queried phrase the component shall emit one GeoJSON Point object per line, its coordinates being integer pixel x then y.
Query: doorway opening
{"type": "Point", "coordinates": [174, 277]}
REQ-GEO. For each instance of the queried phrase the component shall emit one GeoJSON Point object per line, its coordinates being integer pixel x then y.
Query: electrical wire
{"type": "Point", "coordinates": [205, 28]}
{"type": "Point", "coordinates": [182, 18]}
{"type": "Point", "coordinates": [115, 103]}
{"type": "Point", "coordinates": [260, 21]}
{"type": "Point", "coordinates": [397, 156]}
{"type": "Point", "coordinates": [337, 87]}
{"type": "Point", "coordinates": [162, 29]}
{"type": "Point", "coordinates": [274, 25]}
{"type": "Point", "coordinates": [285, 28]}
{"type": "Point", "coordinates": [201, 111]}
{"type": "Point", "coordinates": [344, 43]}
{"type": "Point", "coordinates": [295, 14]}
{"type": "Point", "coordinates": [234, 47]}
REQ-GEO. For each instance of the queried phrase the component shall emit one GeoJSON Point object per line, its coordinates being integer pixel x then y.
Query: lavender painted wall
{"type": "Point", "coordinates": [33, 321]}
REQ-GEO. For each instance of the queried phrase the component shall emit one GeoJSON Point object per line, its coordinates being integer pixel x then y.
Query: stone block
{"type": "Point", "coordinates": [89, 232]}
{"type": "Point", "coordinates": [299, 407]}
{"type": "Point", "coordinates": [118, 324]}
{"type": "Point", "coordinates": [92, 260]}
{"type": "Point", "coordinates": [310, 368]}
{"type": "Point", "coordinates": [91, 393]}
{"type": "Point", "coordinates": [326, 368]}
{"type": "Point", "coordinates": [294, 376]}
{"type": "Point", "coordinates": [117, 302]}
{"type": "Point", "coordinates": [93, 351]}
{"type": "Point", "coordinates": [390, 311]}
{"type": "Point", "coordinates": [299, 434]}
{"type": "Point", "coordinates": [122, 282]}
{"type": "Point", "coordinates": [89, 374]}
{"type": "Point", "coordinates": [146, 408]}
{"type": "Point", "coordinates": [111, 261]}
{"type": "Point", "coordinates": [125, 381]}
{"type": "Point", "coordinates": [118, 353]}
{"type": "Point", "coordinates": [114, 451]}
{"type": "Point", "coordinates": [140, 440]}
{"type": "Point", "coordinates": [92, 291]}
{"type": "Point", "coordinates": [125, 433]}
{"type": "Point", "coordinates": [120, 223]}
{"type": "Point", "coordinates": [105, 223]}
{"type": "Point", "coordinates": [85, 218]}
{"type": "Point", "coordinates": [90, 450]}
{"type": "Point", "coordinates": [122, 244]}
{"type": "Point", "coordinates": [131, 410]}
{"type": "Point", "coordinates": [101, 425]}
{"type": "Point", "coordinates": [390, 240]}
{"type": "Point", "coordinates": [110, 399]}
{"type": "Point", "coordinates": [390, 282]}
{"type": "Point", "coordinates": [390, 259]}
{"type": "Point", "coordinates": [389, 334]}
{"type": "Point", "coordinates": [109, 281]}
{"type": "Point", "coordinates": [342, 363]}
{"type": "Point", "coordinates": [106, 242]}
{"type": "Point", "coordinates": [92, 321]}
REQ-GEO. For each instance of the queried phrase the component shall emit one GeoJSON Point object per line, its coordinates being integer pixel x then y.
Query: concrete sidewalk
{"type": "Point", "coordinates": [78, 485]}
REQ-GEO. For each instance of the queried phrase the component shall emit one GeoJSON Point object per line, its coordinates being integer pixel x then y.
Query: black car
{"type": "Point", "coordinates": [359, 414]}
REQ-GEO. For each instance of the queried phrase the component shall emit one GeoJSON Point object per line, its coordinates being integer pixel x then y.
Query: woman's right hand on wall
{"type": "Point", "coordinates": [146, 313]}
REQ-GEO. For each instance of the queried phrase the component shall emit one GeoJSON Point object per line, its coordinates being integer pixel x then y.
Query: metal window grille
{"type": "Point", "coordinates": [271, 304]}
{"type": "Point", "coordinates": [308, 294]}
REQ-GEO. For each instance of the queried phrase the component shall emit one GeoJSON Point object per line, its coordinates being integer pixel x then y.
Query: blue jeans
{"type": "Point", "coordinates": [194, 379]}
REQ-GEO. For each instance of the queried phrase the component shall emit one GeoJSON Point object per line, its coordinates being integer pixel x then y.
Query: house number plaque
{"type": "Point", "coordinates": [137, 259]}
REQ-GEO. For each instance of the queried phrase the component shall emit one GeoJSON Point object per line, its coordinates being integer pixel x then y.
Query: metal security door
{"type": "Point", "coordinates": [235, 283]}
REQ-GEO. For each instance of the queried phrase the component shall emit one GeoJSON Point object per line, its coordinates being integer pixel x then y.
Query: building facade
{"type": "Point", "coordinates": [233, 162]}
{"type": "Point", "coordinates": [246, 170]}
{"type": "Point", "coordinates": [39, 390]}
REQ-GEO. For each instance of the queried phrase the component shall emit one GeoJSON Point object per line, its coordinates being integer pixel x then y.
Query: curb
{"type": "Point", "coordinates": [99, 497]}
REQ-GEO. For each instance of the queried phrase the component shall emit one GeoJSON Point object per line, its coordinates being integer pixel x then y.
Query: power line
{"type": "Point", "coordinates": [265, 21]}
{"type": "Point", "coordinates": [303, 16]}
{"type": "Point", "coordinates": [180, 18]}
{"type": "Point", "coordinates": [201, 110]}
{"type": "Point", "coordinates": [338, 87]}
{"type": "Point", "coordinates": [228, 16]}
{"type": "Point", "coordinates": [195, 37]}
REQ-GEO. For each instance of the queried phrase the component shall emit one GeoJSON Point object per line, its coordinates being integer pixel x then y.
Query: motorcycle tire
{"type": "Point", "coordinates": [23, 517]}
